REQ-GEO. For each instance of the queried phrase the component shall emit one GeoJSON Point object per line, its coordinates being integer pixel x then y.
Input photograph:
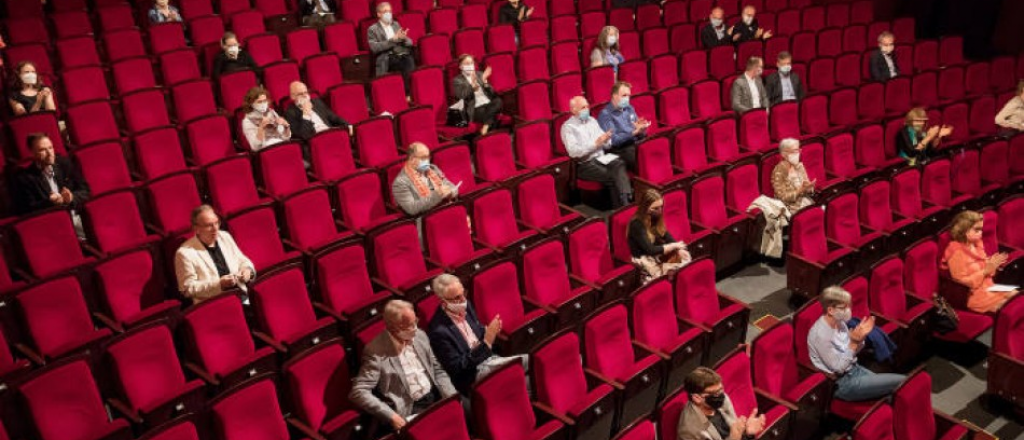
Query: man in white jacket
{"type": "Point", "coordinates": [210, 262]}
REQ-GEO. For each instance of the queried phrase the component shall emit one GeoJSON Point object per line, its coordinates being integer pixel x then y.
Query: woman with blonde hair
{"type": "Point", "coordinates": [262, 126]}
{"type": "Point", "coordinates": [655, 252]}
{"type": "Point", "coordinates": [968, 264]}
{"type": "Point", "coordinates": [606, 49]}
{"type": "Point", "coordinates": [914, 139]}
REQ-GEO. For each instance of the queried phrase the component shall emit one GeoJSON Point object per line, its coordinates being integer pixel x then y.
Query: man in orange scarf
{"type": "Point", "coordinates": [421, 185]}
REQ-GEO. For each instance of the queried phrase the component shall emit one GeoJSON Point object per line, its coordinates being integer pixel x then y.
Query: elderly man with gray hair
{"type": "Point", "coordinates": [400, 366]}
{"type": "Point", "coordinates": [210, 262]}
{"type": "Point", "coordinates": [833, 349]}
{"type": "Point", "coordinates": [789, 178]}
{"type": "Point", "coordinates": [458, 338]}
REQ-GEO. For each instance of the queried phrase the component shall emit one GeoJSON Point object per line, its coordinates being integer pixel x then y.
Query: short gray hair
{"type": "Point", "coordinates": [393, 310]}
{"type": "Point", "coordinates": [380, 6]}
{"type": "Point", "coordinates": [788, 143]}
{"type": "Point", "coordinates": [833, 296]}
{"type": "Point", "coordinates": [884, 35]}
{"type": "Point", "coordinates": [199, 211]}
{"type": "Point", "coordinates": [442, 282]}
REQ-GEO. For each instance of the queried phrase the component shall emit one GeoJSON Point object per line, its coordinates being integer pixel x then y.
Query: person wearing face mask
{"type": "Point", "coordinates": [586, 143]}
{"type": "Point", "coordinates": [715, 33]}
{"type": "Point", "coordinates": [748, 90]}
{"type": "Point", "coordinates": [784, 84]}
{"type": "Point", "coordinates": [627, 128]}
{"type": "Point", "coordinates": [28, 93]}
{"type": "Point", "coordinates": [163, 12]}
{"type": "Point", "coordinates": [462, 344]}
{"type": "Point", "coordinates": [606, 49]}
{"type": "Point", "coordinates": [655, 252]}
{"type": "Point", "coordinates": [232, 58]}
{"type": "Point", "coordinates": [970, 265]}
{"type": "Point", "coordinates": [391, 44]}
{"type": "Point", "coordinates": [833, 348]}
{"type": "Point", "coordinates": [789, 178]}
{"type": "Point", "coordinates": [262, 126]}
{"type": "Point", "coordinates": [916, 140]}
{"type": "Point", "coordinates": [1010, 118]}
{"type": "Point", "coordinates": [421, 185]}
{"type": "Point", "coordinates": [882, 64]}
{"type": "Point", "coordinates": [318, 13]}
{"type": "Point", "coordinates": [747, 28]}
{"type": "Point", "coordinates": [709, 414]}
{"type": "Point", "coordinates": [49, 181]}
{"type": "Point", "coordinates": [479, 101]}
{"type": "Point", "coordinates": [514, 12]}
{"type": "Point", "coordinates": [308, 116]}
{"type": "Point", "coordinates": [399, 377]}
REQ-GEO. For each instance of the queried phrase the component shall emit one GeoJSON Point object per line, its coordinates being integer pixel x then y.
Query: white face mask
{"type": "Point", "coordinates": [716, 22]}
{"type": "Point", "coordinates": [261, 107]}
{"type": "Point", "coordinates": [233, 50]}
{"type": "Point", "coordinates": [785, 69]}
{"type": "Point", "coordinates": [842, 315]}
{"type": "Point", "coordinates": [747, 19]}
{"type": "Point", "coordinates": [29, 77]}
{"type": "Point", "coordinates": [793, 158]}
{"type": "Point", "coordinates": [456, 308]}
{"type": "Point", "coordinates": [387, 17]}
{"type": "Point", "coordinates": [468, 68]}
{"type": "Point", "coordinates": [612, 39]}
{"type": "Point", "coordinates": [280, 129]}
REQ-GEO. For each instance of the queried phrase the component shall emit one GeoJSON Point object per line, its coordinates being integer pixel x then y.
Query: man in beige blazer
{"type": "Point", "coordinates": [210, 262]}
{"type": "Point", "coordinates": [400, 366]}
{"type": "Point", "coordinates": [709, 414]}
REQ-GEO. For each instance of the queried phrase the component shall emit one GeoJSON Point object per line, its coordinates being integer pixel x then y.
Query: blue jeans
{"type": "Point", "coordinates": [863, 384]}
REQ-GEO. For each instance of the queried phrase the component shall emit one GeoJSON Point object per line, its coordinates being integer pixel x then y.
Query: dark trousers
{"type": "Point", "coordinates": [612, 175]}
{"type": "Point", "coordinates": [628, 154]}
{"type": "Point", "coordinates": [404, 64]}
{"type": "Point", "coordinates": [487, 114]}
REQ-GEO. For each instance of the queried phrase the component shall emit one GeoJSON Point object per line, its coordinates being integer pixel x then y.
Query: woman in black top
{"type": "Point", "coordinates": [655, 252]}
{"type": "Point", "coordinates": [914, 141]}
{"type": "Point", "coordinates": [232, 58]}
{"type": "Point", "coordinates": [514, 12]}
{"type": "Point", "coordinates": [28, 93]}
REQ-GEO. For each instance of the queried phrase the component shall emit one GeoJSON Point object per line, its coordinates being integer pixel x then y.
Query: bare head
{"type": "Point", "coordinates": [297, 90]}
{"type": "Point", "coordinates": [206, 224]}
{"type": "Point", "coordinates": [717, 13]}
{"type": "Point", "coordinates": [42, 149]}
{"type": "Point", "coordinates": [418, 153]}
{"type": "Point", "coordinates": [384, 8]}
{"type": "Point", "coordinates": [834, 298]}
{"type": "Point", "coordinates": [886, 42]}
{"type": "Point", "coordinates": [400, 319]}
{"type": "Point", "coordinates": [577, 104]}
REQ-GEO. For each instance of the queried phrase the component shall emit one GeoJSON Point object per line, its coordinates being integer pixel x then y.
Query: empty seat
{"type": "Point", "coordinates": [193, 99]}
{"type": "Point", "coordinates": [104, 167]}
{"type": "Point", "coordinates": [57, 320]}
{"type": "Point", "coordinates": [310, 221]}
{"type": "Point", "coordinates": [231, 185]}
{"type": "Point", "coordinates": [495, 224]}
{"type": "Point", "coordinates": [249, 409]}
{"type": "Point", "coordinates": [152, 387]}
{"type": "Point", "coordinates": [777, 371]}
{"type": "Point", "coordinates": [284, 313]}
{"type": "Point", "coordinates": [346, 291]}
{"type": "Point", "coordinates": [699, 303]}
{"type": "Point", "coordinates": [218, 344]}
{"type": "Point", "coordinates": [842, 225]}
{"type": "Point", "coordinates": [282, 171]}
{"type": "Point", "coordinates": [709, 211]}
{"type": "Point", "coordinates": [124, 43]}
{"type": "Point", "coordinates": [887, 297]}
{"type": "Point", "coordinates": [495, 292]}
{"type": "Point", "coordinates": [448, 240]}
{"type": "Point", "coordinates": [209, 138]}
{"type": "Point", "coordinates": [131, 290]}
{"type": "Point", "coordinates": [813, 261]}
{"type": "Point", "coordinates": [561, 386]}
{"type": "Point", "coordinates": [158, 153]}
{"type": "Point", "coordinates": [538, 206]}
{"type": "Point", "coordinates": [92, 122]}
{"type": "Point", "coordinates": [1004, 357]}
{"type": "Point", "coordinates": [256, 232]}
{"type": "Point", "coordinates": [502, 410]}
{"type": "Point", "coordinates": [171, 200]}
{"type": "Point", "coordinates": [47, 243]}
{"type": "Point", "coordinates": [83, 84]}
{"type": "Point", "coordinates": [739, 386]}
{"type": "Point", "coordinates": [657, 329]}
{"type": "Point", "coordinates": [113, 222]}
{"type": "Point", "coordinates": [591, 261]}
{"type": "Point", "coordinates": [133, 74]}
{"type": "Point", "coordinates": [318, 382]}
{"type": "Point", "coordinates": [64, 403]}
{"type": "Point", "coordinates": [398, 260]}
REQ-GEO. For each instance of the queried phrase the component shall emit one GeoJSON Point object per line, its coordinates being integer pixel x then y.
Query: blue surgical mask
{"type": "Point", "coordinates": [423, 166]}
{"type": "Point", "coordinates": [624, 102]}
{"type": "Point", "coordinates": [585, 115]}
{"type": "Point", "coordinates": [785, 69]}
{"type": "Point", "coordinates": [387, 17]}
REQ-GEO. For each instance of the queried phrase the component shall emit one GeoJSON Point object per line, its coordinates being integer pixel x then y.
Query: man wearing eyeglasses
{"type": "Point", "coordinates": [709, 413]}
{"type": "Point", "coordinates": [400, 365]}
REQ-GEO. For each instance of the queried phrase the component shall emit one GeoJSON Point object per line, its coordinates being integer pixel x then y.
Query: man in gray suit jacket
{"type": "Point", "coordinates": [709, 415]}
{"type": "Point", "coordinates": [748, 91]}
{"type": "Point", "coordinates": [390, 44]}
{"type": "Point", "coordinates": [421, 185]}
{"type": "Point", "coordinates": [400, 366]}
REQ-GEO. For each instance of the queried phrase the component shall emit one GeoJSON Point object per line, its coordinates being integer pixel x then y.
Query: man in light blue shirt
{"type": "Point", "coordinates": [833, 349]}
{"type": "Point", "coordinates": [586, 143]}
{"type": "Point", "coordinates": [627, 128]}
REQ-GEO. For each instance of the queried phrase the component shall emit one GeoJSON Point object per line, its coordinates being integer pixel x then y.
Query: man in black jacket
{"type": "Point", "coordinates": [883, 61]}
{"type": "Point", "coordinates": [49, 180]}
{"type": "Point", "coordinates": [318, 13]}
{"type": "Point", "coordinates": [784, 84]}
{"type": "Point", "coordinates": [458, 339]}
{"type": "Point", "coordinates": [715, 34]}
{"type": "Point", "coordinates": [309, 116]}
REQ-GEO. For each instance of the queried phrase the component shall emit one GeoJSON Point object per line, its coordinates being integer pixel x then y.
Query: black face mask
{"type": "Point", "coordinates": [715, 401]}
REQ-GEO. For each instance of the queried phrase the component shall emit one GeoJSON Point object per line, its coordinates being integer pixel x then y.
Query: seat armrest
{"type": "Point", "coordinates": [581, 281]}
{"type": "Point", "coordinates": [29, 353]}
{"type": "Point", "coordinates": [201, 373]}
{"type": "Point", "coordinates": [694, 324]}
{"type": "Point", "coordinates": [108, 322]}
{"type": "Point", "coordinates": [124, 410]}
{"type": "Point", "coordinates": [481, 244]}
{"type": "Point", "coordinates": [540, 409]}
{"type": "Point", "coordinates": [640, 347]}
{"type": "Point", "coordinates": [296, 425]}
{"type": "Point", "coordinates": [324, 310]}
{"type": "Point", "coordinates": [277, 346]}
{"type": "Point", "coordinates": [533, 304]}
{"type": "Point", "coordinates": [763, 397]}
{"type": "Point", "coordinates": [604, 379]}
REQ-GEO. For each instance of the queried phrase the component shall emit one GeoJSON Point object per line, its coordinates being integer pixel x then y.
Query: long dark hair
{"type": "Point", "coordinates": [648, 198]}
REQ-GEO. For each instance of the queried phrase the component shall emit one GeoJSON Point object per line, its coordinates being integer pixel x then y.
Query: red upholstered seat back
{"type": "Point", "coordinates": [607, 343]}
{"type": "Point", "coordinates": [446, 420]}
{"type": "Point", "coordinates": [538, 202]}
{"type": "Point", "coordinates": [128, 284]}
{"type": "Point", "coordinates": [906, 192]}
{"type": "Point", "coordinates": [858, 288]}
{"type": "Point", "coordinates": [397, 256]}
{"type": "Point", "coordinates": [677, 214]}
{"type": "Point", "coordinates": [343, 278]}
{"type": "Point", "coordinates": [558, 373]}
{"type": "Point", "coordinates": [913, 418]}
{"type": "Point", "coordinates": [282, 304]}
{"type": "Point", "coordinates": [589, 251]}
{"type": "Point", "coordinates": [501, 406]}
{"type": "Point", "coordinates": [447, 235]}
{"type": "Point", "coordinates": [533, 143]}
{"type": "Point", "coordinates": [318, 384]}
{"type": "Point", "coordinates": [654, 159]}
{"type": "Point", "coordinates": [875, 211]}
{"type": "Point", "coordinates": [654, 322]}
{"type": "Point", "coordinates": [494, 218]}
{"type": "Point", "coordinates": [735, 372]}
{"type": "Point", "coordinates": [688, 148]}
{"type": "Point", "coordinates": [920, 269]}
{"type": "Point", "coordinates": [250, 413]}
{"type": "Point", "coordinates": [494, 159]}
{"type": "Point", "coordinates": [545, 273]}
{"type": "Point", "coordinates": [875, 425]}
{"type": "Point", "coordinates": [774, 360]}
{"type": "Point", "coordinates": [886, 290]}
{"type": "Point", "coordinates": [56, 315]}
{"type": "Point", "coordinates": [496, 292]}
{"type": "Point", "coordinates": [255, 232]}
{"type": "Point", "coordinates": [361, 200]}
{"type": "Point", "coordinates": [695, 292]}
{"type": "Point", "coordinates": [808, 235]}
{"type": "Point", "coordinates": [803, 320]}
{"type": "Point", "coordinates": [147, 366]}
{"type": "Point", "coordinates": [841, 222]}
{"type": "Point", "coordinates": [219, 335]}
{"type": "Point", "coordinates": [742, 186]}
{"type": "Point", "coordinates": [65, 404]}
{"type": "Point", "coordinates": [619, 229]}
{"type": "Point", "coordinates": [309, 218]}
{"type": "Point", "coordinates": [707, 202]}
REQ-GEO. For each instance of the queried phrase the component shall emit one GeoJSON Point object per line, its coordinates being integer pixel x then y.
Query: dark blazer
{"type": "Point", "coordinates": [32, 192]}
{"type": "Point", "coordinates": [451, 349]}
{"type": "Point", "coordinates": [510, 14]}
{"type": "Point", "coordinates": [222, 64]}
{"type": "Point", "coordinates": [773, 85]}
{"type": "Point", "coordinates": [302, 128]}
{"type": "Point", "coordinates": [879, 68]}
{"type": "Point", "coordinates": [309, 6]}
{"type": "Point", "coordinates": [709, 37]}
{"type": "Point", "coordinates": [463, 91]}
{"type": "Point", "coordinates": [746, 31]}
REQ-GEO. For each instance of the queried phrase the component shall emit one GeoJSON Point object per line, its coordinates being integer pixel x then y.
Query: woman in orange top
{"type": "Point", "coordinates": [970, 265]}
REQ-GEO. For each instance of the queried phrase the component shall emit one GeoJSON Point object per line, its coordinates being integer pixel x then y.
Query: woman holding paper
{"type": "Point", "coordinates": [968, 263]}
{"type": "Point", "coordinates": [655, 252]}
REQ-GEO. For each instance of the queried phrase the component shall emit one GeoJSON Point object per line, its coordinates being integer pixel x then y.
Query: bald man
{"type": "Point", "coordinates": [421, 185]}
{"type": "Point", "coordinates": [308, 116]}
{"type": "Point", "coordinates": [586, 143]}
{"type": "Point", "coordinates": [715, 33]}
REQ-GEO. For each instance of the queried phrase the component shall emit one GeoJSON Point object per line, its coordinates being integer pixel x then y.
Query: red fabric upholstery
{"type": "Point", "coordinates": [501, 407]}
{"type": "Point", "coordinates": [309, 219]}
{"type": "Point", "coordinates": [251, 412]}
{"type": "Point", "coordinates": [147, 368]}
{"type": "Point", "coordinates": [218, 337]}
{"type": "Point", "coordinates": [65, 405]}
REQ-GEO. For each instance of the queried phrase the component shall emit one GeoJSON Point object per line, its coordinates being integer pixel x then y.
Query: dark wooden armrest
{"type": "Point", "coordinates": [551, 413]}
{"type": "Point", "coordinates": [29, 353]}
{"type": "Point", "coordinates": [319, 306]}
{"type": "Point", "coordinates": [724, 299]}
{"type": "Point", "coordinates": [125, 411]}
{"type": "Point", "coordinates": [152, 227]}
{"type": "Point", "coordinates": [277, 346]}
{"type": "Point", "coordinates": [201, 373]}
{"type": "Point", "coordinates": [432, 262]}
{"type": "Point", "coordinates": [303, 428]}
{"type": "Point", "coordinates": [522, 225]}
{"type": "Point", "coordinates": [637, 345]}
{"type": "Point", "coordinates": [764, 394]}
{"type": "Point", "coordinates": [694, 324]}
{"type": "Point", "coordinates": [703, 226]}
{"type": "Point", "coordinates": [532, 303]}
{"type": "Point", "coordinates": [605, 379]}
{"type": "Point", "coordinates": [581, 281]}
{"type": "Point", "coordinates": [640, 350]}
{"type": "Point", "coordinates": [481, 244]}
{"type": "Point", "coordinates": [291, 244]}
{"type": "Point", "coordinates": [109, 322]}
